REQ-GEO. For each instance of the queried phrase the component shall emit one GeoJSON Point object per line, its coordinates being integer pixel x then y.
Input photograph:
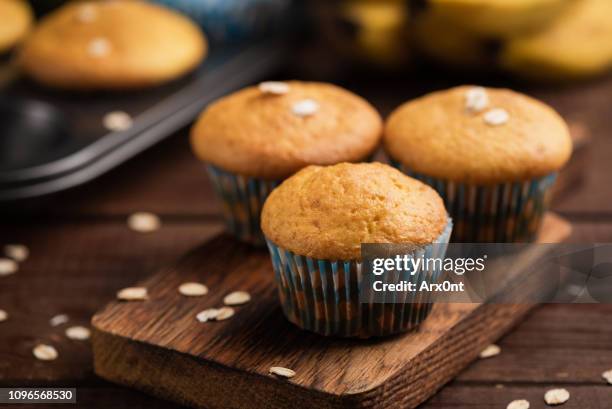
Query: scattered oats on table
{"type": "Point", "coordinates": [237, 298]}
{"type": "Point", "coordinates": [45, 352]}
{"type": "Point", "coordinates": [274, 87]}
{"type": "Point", "coordinates": [224, 313]}
{"type": "Point", "coordinates": [607, 376]}
{"type": "Point", "coordinates": [17, 252]}
{"type": "Point", "coordinates": [144, 222]}
{"type": "Point", "coordinates": [490, 351]}
{"type": "Point", "coordinates": [8, 267]}
{"type": "Point", "coordinates": [207, 315]}
{"type": "Point", "coordinates": [556, 396]}
{"type": "Point", "coordinates": [518, 404]}
{"type": "Point", "coordinates": [283, 372]}
{"type": "Point", "coordinates": [193, 289]}
{"type": "Point", "coordinates": [3, 315]}
{"type": "Point", "coordinates": [496, 117]}
{"type": "Point", "coordinates": [117, 121]}
{"type": "Point", "coordinates": [305, 107]}
{"type": "Point", "coordinates": [133, 294]}
{"type": "Point", "coordinates": [78, 333]}
{"type": "Point", "coordinates": [58, 320]}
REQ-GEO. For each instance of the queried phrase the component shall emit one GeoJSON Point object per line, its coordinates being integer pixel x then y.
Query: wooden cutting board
{"type": "Point", "coordinates": [159, 347]}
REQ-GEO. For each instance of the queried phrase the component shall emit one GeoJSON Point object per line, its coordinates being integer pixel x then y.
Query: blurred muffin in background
{"type": "Point", "coordinates": [445, 42]}
{"type": "Point", "coordinates": [371, 31]}
{"type": "Point", "coordinates": [498, 18]}
{"type": "Point", "coordinates": [15, 22]}
{"type": "Point", "coordinates": [254, 138]}
{"type": "Point", "coordinates": [92, 45]}
{"type": "Point", "coordinates": [576, 45]}
{"type": "Point", "coordinates": [235, 20]}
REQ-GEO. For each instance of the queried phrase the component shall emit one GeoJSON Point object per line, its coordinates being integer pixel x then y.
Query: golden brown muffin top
{"type": "Point", "coordinates": [112, 44]}
{"type": "Point", "coordinates": [15, 21]}
{"type": "Point", "coordinates": [271, 135]}
{"type": "Point", "coordinates": [460, 135]}
{"type": "Point", "coordinates": [327, 212]}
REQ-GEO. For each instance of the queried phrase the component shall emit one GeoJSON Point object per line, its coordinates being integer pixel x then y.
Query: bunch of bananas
{"type": "Point", "coordinates": [552, 40]}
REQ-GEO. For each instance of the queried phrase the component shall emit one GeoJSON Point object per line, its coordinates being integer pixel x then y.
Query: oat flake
{"type": "Point", "coordinates": [99, 47]}
{"type": "Point", "coordinates": [305, 107]}
{"type": "Point", "coordinates": [87, 13]}
{"type": "Point", "coordinates": [556, 396]}
{"type": "Point", "coordinates": [224, 313]}
{"type": "Point", "coordinates": [144, 222]}
{"type": "Point", "coordinates": [78, 333]}
{"type": "Point", "coordinates": [193, 289]}
{"type": "Point", "coordinates": [3, 315]}
{"type": "Point", "coordinates": [17, 252]}
{"type": "Point", "coordinates": [490, 351]}
{"type": "Point", "coordinates": [237, 298]}
{"type": "Point", "coordinates": [58, 320]}
{"type": "Point", "coordinates": [117, 121]}
{"type": "Point", "coordinates": [280, 371]}
{"type": "Point", "coordinates": [476, 99]}
{"type": "Point", "coordinates": [7, 267]}
{"type": "Point", "coordinates": [274, 87]}
{"type": "Point", "coordinates": [133, 294]}
{"type": "Point", "coordinates": [45, 352]}
{"type": "Point", "coordinates": [496, 117]}
{"type": "Point", "coordinates": [607, 376]}
{"type": "Point", "coordinates": [207, 315]}
{"type": "Point", "coordinates": [518, 404]}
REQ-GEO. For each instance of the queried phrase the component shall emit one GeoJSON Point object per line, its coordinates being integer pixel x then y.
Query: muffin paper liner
{"type": "Point", "coordinates": [332, 298]}
{"type": "Point", "coordinates": [242, 199]}
{"type": "Point", "coordinates": [502, 213]}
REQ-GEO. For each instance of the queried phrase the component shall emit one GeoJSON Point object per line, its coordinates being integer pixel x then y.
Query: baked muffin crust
{"type": "Point", "coordinates": [437, 135]}
{"type": "Point", "coordinates": [15, 21]}
{"type": "Point", "coordinates": [111, 45]}
{"type": "Point", "coordinates": [271, 136]}
{"type": "Point", "coordinates": [327, 212]}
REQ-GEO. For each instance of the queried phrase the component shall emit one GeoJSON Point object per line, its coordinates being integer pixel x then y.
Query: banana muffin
{"type": "Point", "coordinates": [315, 223]}
{"type": "Point", "coordinates": [99, 45]}
{"type": "Point", "coordinates": [492, 154]}
{"type": "Point", "coordinates": [15, 22]}
{"type": "Point", "coordinates": [254, 138]}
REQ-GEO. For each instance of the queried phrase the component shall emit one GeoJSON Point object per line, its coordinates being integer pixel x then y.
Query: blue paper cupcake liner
{"type": "Point", "coordinates": [332, 298]}
{"type": "Point", "coordinates": [242, 198]}
{"type": "Point", "coordinates": [502, 213]}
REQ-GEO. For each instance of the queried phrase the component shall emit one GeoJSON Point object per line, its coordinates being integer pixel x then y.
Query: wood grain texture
{"type": "Point", "coordinates": [74, 268]}
{"type": "Point", "coordinates": [159, 347]}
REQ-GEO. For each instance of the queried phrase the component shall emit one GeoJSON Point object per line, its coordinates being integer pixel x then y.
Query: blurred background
{"type": "Point", "coordinates": [392, 50]}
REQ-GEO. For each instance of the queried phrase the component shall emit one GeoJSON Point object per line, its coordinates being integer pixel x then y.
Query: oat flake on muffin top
{"type": "Point", "coordinates": [515, 138]}
{"type": "Point", "coordinates": [271, 135]}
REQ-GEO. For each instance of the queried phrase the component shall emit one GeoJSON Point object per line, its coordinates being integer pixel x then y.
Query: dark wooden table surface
{"type": "Point", "coordinates": [82, 252]}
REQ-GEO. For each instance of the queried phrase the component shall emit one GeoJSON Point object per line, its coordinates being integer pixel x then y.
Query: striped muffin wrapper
{"type": "Point", "coordinates": [242, 198]}
{"type": "Point", "coordinates": [331, 297]}
{"type": "Point", "coordinates": [502, 213]}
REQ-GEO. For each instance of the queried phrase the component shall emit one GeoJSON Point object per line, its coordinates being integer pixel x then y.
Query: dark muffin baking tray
{"type": "Point", "coordinates": [53, 140]}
